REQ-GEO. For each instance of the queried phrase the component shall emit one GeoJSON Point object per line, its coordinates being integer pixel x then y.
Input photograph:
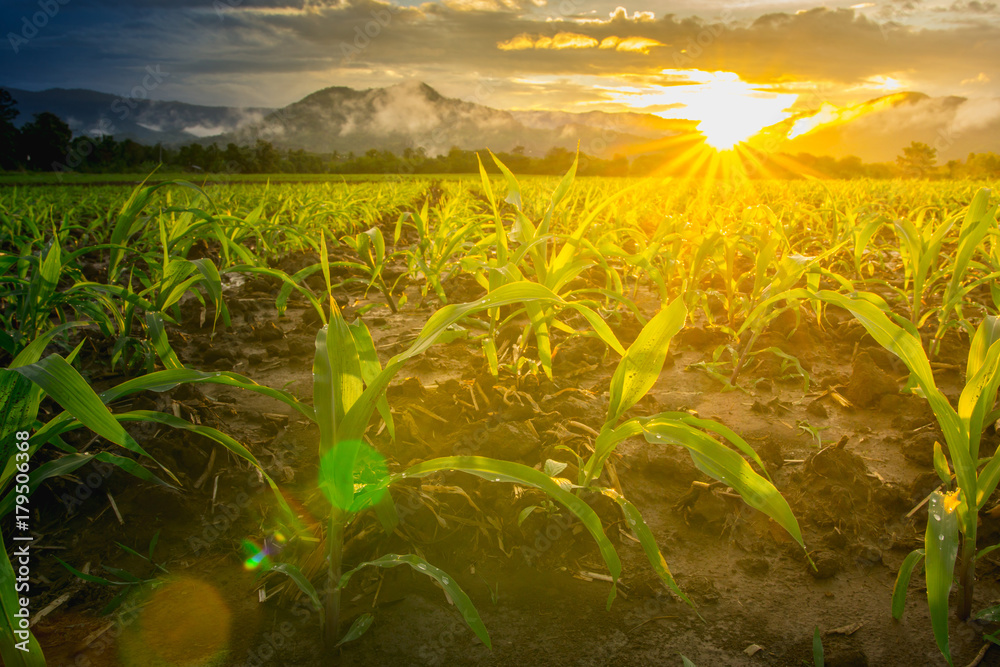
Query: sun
{"type": "Point", "coordinates": [728, 110]}
{"type": "Point", "coordinates": [731, 111]}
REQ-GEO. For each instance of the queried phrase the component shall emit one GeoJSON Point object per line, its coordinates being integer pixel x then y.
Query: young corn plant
{"type": "Point", "coordinates": [440, 249]}
{"type": "Point", "coordinates": [980, 220]}
{"type": "Point", "coordinates": [921, 245]}
{"type": "Point", "coordinates": [635, 375]}
{"type": "Point", "coordinates": [648, 255]}
{"type": "Point", "coordinates": [349, 385]}
{"type": "Point", "coordinates": [40, 289]}
{"type": "Point", "coordinates": [370, 248]}
{"type": "Point", "coordinates": [24, 384]}
{"type": "Point", "coordinates": [555, 269]}
{"type": "Point", "coordinates": [953, 515]}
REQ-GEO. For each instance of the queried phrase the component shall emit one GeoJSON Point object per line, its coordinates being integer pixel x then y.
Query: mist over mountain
{"type": "Point", "coordinates": [877, 130]}
{"type": "Point", "coordinates": [414, 116]}
{"type": "Point", "coordinates": [146, 121]}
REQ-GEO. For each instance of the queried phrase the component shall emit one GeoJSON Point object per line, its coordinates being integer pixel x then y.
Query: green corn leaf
{"type": "Point", "coordinates": [978, 220]}
{"type": "Point", "coordinates": [506, 471]}
{"type": "Point", "coordinates": [356, 420]}
{"type": "Point", "coordinates": [500, 236]}
{"type": "Point", "coordinates": [606, 442]}
{"type": "Point", "coordinates": [987, 334]}
{"type": "Point", "coordinates": [67, 388]}
{"type": "Point", "coordinates": [649, 546]}
{"type": "Point", "coordinates": [300, 580]}
{"type": "Point", "coordinates": [537, 317]}
{"type": "Point", "coordinates": [557, 268]}
{"type": "Point", "coordinates": [17, 409]}
{"type": "Point", "coordinates": [721, 463]}
{"type": "Point", "coordinates": [166, 380]}
{"type": "Point", "coordinates": [324, 262]}
{"type": "Point", "coordinates": [128, 222]}
{"type": "Point", "coordinates": [941, 466]}
{"type": "Point", "coordinates": [289, 281]}
{"type": "Point", "coordinates": [370, 368]}
{"type": "Point", "coordinates": [978, 396]}
{"type": "Point", "coordinates": [905, 344]}
{"type": "Point", "coordinates": [912, 560]}
{"type": "Point", "coordinates": [818, 658]}
{"type": "Point", "coordinates": [281, 303]}
{"type": "Point", "coordinates": [989, 615]}
{"type": "Point", "coordinates": [862, 240]}
{"type": "Point", "coordinates": [337, 469]}
{"type": "Point", "coordinates": [212, 281]}
{"type": "Point", "coordinates": [33, 351]}
{"type": "Point", "coordinates": [490, 353]}
{"type": "Point", "coordinates": [718, 429]}
{"type": "Point", "coordinates": [765, 258]}
{"type": "Point", "coordinates": [358, 627]}
{"type": "Point", "coordinates": [385, 511]}
{"type": "Point", "coordinates": [158, 336]}
{"type": "Point", "coordinates": [90, 578]}
{"type": "Point", "coordinates": [941, 548]}
{"type": "Point", "coordinates": [44, 282]}
{"type": "Point", "coordinates": [640, 367]}
{"type": "Point", "coordinates": [599, 326]}
{"type": "Point", "coordinates": [454, 591]}
{"type": "Point", "coordinates": [987, 481]}
{"type": "Point", "coordinates": [218, 436]}
{"type": "Point", "coordinates": [337, 382]}
{"type": "Point", "coordinates": [559, 194]}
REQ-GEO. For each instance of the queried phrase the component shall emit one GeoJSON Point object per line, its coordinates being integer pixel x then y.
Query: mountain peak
{"type": "Point", "coordinates": [419, 88]}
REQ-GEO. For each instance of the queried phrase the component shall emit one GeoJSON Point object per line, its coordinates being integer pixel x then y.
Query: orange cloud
{"type": "Point", "coordinates": [572, 40]}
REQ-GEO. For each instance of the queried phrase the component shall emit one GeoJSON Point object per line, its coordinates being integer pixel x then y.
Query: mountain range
{"type": "Point", "coordinates": [415, 116]}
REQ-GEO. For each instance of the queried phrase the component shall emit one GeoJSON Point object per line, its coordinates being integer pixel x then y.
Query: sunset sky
{"type": "Point", "coordinates": [673, 58]}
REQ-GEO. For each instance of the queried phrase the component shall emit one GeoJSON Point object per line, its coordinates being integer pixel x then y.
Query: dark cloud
{"type": "Point", "coordinates": [274, 50]}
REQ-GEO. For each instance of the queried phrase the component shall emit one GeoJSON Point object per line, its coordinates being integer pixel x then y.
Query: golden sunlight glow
{"type": "Point", "coordinates": [729, 110]}
{"type": "Point", "coordinates": [829, 115]}
{"type": "Point", "coordinates": [572, 40]}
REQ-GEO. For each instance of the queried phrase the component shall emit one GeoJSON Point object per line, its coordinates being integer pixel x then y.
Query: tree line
{"type": "Point", "coordinates": [46, 143]}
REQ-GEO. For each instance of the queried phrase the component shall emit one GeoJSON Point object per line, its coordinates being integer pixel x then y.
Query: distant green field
{"type": "Point", "coordinates": [56, 178]}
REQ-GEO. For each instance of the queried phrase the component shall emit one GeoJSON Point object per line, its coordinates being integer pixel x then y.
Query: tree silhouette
{"type": "Point", "coordinates": [45, 141]}
{"type": "Point", "coordinates": [8, 133]}
{"type": "Point", "coordinates": [917, 160]}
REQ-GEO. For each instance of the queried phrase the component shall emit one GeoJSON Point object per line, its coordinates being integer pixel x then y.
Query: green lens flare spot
{"type": "Point", "coordinates": [256, 556]}
{"type": "Point", "coordinates": [353, 476]}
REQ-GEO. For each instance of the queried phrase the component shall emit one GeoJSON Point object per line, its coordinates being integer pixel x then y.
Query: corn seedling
{"type": "Point", "coordinates": [348, 386]}
{"type": "Point", "coordinates": [440, 249]}
{"type": "Point", "coordinates": [635, 375]}
{"type": "Point", "coordinates": [954, 514]}
{"type": "Point", "coordinates": [554, 270]}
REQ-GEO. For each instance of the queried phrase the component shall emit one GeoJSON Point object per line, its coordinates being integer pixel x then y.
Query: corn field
{"type": "Point", "coordinates": [500, 420]}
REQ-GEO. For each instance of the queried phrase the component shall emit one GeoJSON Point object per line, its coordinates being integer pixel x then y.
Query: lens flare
{"type": "Point", "coordinates": [184, 623]}
{"type": "Point", "coordinates": [260, 555]}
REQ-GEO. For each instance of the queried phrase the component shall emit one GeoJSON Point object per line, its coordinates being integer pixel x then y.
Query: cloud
{"type": "Point", "coordinates": [979, 78]}
{"type": "Point", "coordinates": [269, 52]}
{"type": "Point", "coordinates": [974, 7]}
{"type": "Point", "coordinates": [571, 40]}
